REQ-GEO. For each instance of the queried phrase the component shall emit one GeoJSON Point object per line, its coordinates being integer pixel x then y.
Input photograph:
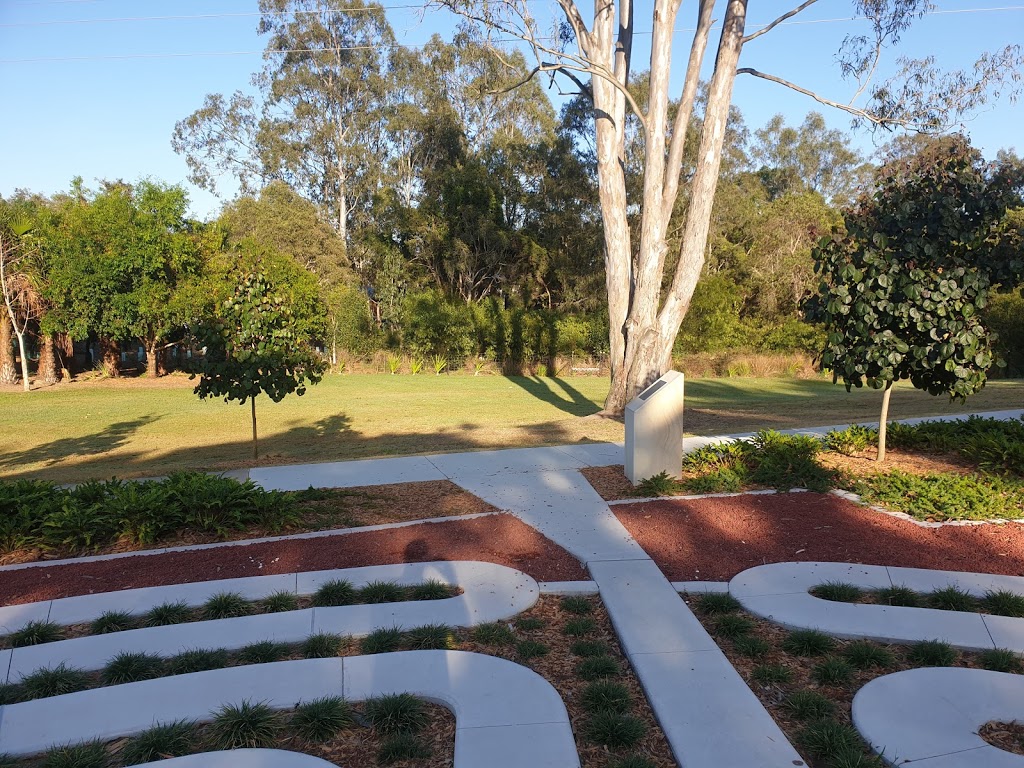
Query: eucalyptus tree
{"type": "Point", "coordinates": [646, 306]}
{"type": "Point", "coordinates": [318, 122]}
{"type": "Point", "coordinates": [18, 282]}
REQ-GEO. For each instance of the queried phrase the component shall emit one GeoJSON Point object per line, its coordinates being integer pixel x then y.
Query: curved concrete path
{"type": "Point", "coordinates": [779, 592]}
{"type": "Point", "coordinates": [491, 592]}
{"type": "Point", "coordinates": [243, 758]}
{"type": "Point", "coordinates": [930, 717]}
{"type": "Point", "coordinates": [507, 716]}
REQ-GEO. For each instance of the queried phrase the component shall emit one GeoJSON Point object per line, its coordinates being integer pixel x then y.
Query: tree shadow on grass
{"type": "Point", "coordinates": [574, 402]}
{"type": "Point", "coordinates": [58, 451]}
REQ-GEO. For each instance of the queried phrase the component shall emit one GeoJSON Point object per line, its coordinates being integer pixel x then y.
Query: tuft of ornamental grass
{"type": "Point", "coordinates": [88, 754]}
{"type": "Point", "coordinates": [752, 647]}
{"type": "Point", "coordinates": [588, 648]}
{"type": "Point", "coordinates": [772, 674]}
{"type": "Point", "coordinates": [430, 637]}
{"type": "Point", "coordinates": [579, 627]}
{"type": "Point", "coordinates": [530, 623]}
{"type": "Point", "coordinates": [226, 605]}
{"type": "Point", "coordinates": [1002, 602]}
{"type": "Point", "coordinates": [597, 667]}
{"type": "Point", "coordinates": [161, 741]}
{"type": "Point", "coordinates": [198, 660]}
{"type": "Point", "coordinates": [855, 758]}
{"type": "Point", "coordinates": [577, 605]}
{"type": "Point", "coordinates": [807, 642]}
{"type": "Point", "coordinates": [431, 589]}
{"type": "Point", "coordinates": [333, 593]}
{"type": "Point", "coordinates": [167, 613]}
{"type": "Point", "coordinates": [606, 696]}
{"type": "Point", "coordinates": [899, 595]}
{"type": "Point", "coordinates": [53, 681]}
{"type": "Point", "coordinates": [401, 746]}
{"type": "Point", "coordinates": [864, 654]}
{"type": "Point", "coordinates": [1000, 660]}
{"type": "Point", "coordinates": [614, 730]}
{"type": "Point", "coordinates": [245, 726]}
{"type": "Point", "coordinates": [632, 761]}
{"type": "Point", "coordinates": [263, 652]}
{"type": "Point", "coordinates": [832, 671]}
{"type": "Point", "coordinates": [322, 646]}
{"type": "Point", "coordinates": [112, 621]}
{"type": "Point", "coordinates": [952, 598]}
{"type": "Point", "coordinates": [321, 719]}
{"type": "Point", "coordinates": [730, 626]}
{"type": "Point", "coordinates": [129, 667]}
{"type": "Point", "coordinates": [838, 591]}
{"type": "Point", "coordinates": [36, 633]}
{"type": "Point", "coordinates": [808, 705]}
{"type": "Point", "coordinates": [383, 640]}
{"type": "Point", "coordinates": [381, 592]}
{"type": "Point", "coordinates": [531, 649]}
{"type": "Point", "coordinates": [932, 653]}
{"type": "Point", "coordinates": [396, 713]}
{"type": "Point", "coordinates": [718, 602]}
{"type": "Point", "coordinates": [828, 738]}
{"type": "Point", "coordinates": [9, 694]}
{"type": "Point", "coordinates": [280, 602]}
{"type": "Point", "coordinates": [493, 633]}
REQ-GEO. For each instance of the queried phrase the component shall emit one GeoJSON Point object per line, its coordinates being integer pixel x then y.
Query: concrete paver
{"type": "Point", "coordinates": [342, 474]}
{"type": "Point", "coordinates": [243, 758]}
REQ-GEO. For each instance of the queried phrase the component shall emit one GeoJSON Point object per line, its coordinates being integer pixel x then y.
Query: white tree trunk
{"type": "Point", "coordinates": [25, 384]}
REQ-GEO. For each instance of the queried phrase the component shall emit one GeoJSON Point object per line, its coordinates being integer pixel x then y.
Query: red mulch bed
{"type": "Point", "coordinates": [714, 539]}
{"type": "Point", "coordinates": [496, 538]}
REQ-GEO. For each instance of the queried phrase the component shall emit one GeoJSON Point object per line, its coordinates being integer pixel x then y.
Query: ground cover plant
{"type": "Point", "coordinates": [615, 725]}
{"type": "Point", "coordinates": [998, 602]}
{"type": "Point", "coordinates": [807, 680]}
{"type": "Point", "coordinates": [144, 428]}
{"type": "Point", "coordinates": [225, 605]}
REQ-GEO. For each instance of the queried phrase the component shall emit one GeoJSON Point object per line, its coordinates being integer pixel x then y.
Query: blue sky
{"type": "Point", "coordinates": [99, 96]}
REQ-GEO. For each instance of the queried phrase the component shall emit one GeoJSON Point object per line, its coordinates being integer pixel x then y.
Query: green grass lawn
{"type": "Point", "coordinates": [134, 428]}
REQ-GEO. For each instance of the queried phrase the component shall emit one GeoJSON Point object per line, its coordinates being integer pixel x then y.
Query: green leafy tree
{"type": "Point", "coordinates": [252, 348]}
{"type": "Point", "coordinates": [902, 289]}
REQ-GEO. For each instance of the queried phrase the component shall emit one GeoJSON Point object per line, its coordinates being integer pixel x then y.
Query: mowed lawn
{"type": "Point", "coordinates": [134, 428]}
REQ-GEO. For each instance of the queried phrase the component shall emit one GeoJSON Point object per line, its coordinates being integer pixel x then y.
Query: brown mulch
{"type": "Point", "coordinates": [501, 539]}
{"type": "Point", "coordinates": [332, 508]}
{"type": "Point", "coordinates": [716, 538]}
{"type": "Point", "coordinates": [1007, 736]}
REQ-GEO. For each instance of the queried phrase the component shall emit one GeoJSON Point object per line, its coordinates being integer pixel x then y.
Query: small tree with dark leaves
{"type": "Point", "coordinates": [251, 348]}
{"type": "Point", "coordinates": [902, 289]}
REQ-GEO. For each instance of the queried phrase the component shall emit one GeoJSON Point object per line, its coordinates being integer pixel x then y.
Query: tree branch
{"type": "Point", "coordinates": [778, 21]}
{"type": "Point", "coordinates": [821, 99]}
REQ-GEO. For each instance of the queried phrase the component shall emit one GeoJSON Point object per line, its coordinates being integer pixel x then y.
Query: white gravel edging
{"type": "Point", "coordinates": [496, 703]}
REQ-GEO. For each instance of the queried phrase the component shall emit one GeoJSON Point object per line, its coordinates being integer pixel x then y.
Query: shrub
{"type": "Point", "coordinates": [531, 649]}
{"type": "Point", "coordinates": [396, 713]}
{"type": "Point", "coordinates": [606, 696]}
{"type": "Point", "coordinates": [279, 602]}
{"type": "Point", "coordinates": [951, 598]}
{"type": "Point", "coordinates": [614, 730]}
{"type": "Point", "coordinates": [832, 671]}
{"type": "Point", "coordinates": [808, 705]}
{"type": "Point", "coordinates": [1002, 602]}
{"type": "Point", "coordinates": [661, 484]}
{"type": "Point", "coordinates": [807, 642]}
{"type": "Point", "coordinates": [36, 633]}
{"type": "Point", "coordinates": [493, 633]}
{"type": "Point", "coordinates": [382, 640]}
{"type": "Point", "coordinates": [333, 593]}
{"type": "Point", "coordinates": [718, 602]}
{"type": "Point", "coordinates": [112, 621]}
{"type": "Point", "coordinates": [863, 654]}
{"type": "Point", "coordinates": [577, 605]}
{"type": "Point", "coordinates": [320, 719]}
{"type": "Point", "coordinates": [945, 496]}
{"type": "Point", "coordinates": [729, 480]}
{"type": "Point", "coordinates": [789, 461]}
{"type": "Point", "coordinates": [246, 726]}
{"type": "Point", "coordinates": [430, 637]}
{"type": "Point", "coordinates": [1000, 660]}
{"type": "Point", "coordinates": [851, 440]}
{"type": "Point", "coordinates": [837, 591]}
{"type": "Point", "coordinates": [198, 660]}
{"type": "Point", "coordinates": [263, 652]}
{"type": "Point", "coordinates": [597, 667]}
{"type": "Point", "coordinates": [226, 605]}
{"type": "Point", "coordinates": [899, 595]}
{"type": "Point", "coordinates": [401, 746]}
{"type": "Point", "coordinates": [127, 667]}
{"type": "Point", "coordinates": [161, 741]}
{"type": "Point", "coordinates": [322, 646]}
{"type": "Point", "coordinates": [932, 653]}
{"type": "Point", "coordinates": [771, 674]}
{"type": "Point", "coordinates": [90, 754]}
{"type": "Point", "coordinates": [53, 681]}
{"type": "Point", "coordinates": [381, 592]}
